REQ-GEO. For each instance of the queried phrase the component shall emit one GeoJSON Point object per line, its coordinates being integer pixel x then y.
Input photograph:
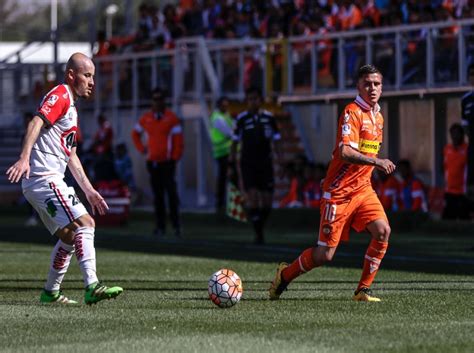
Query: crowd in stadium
{"type": "Point", "coordinates": [159, 27]}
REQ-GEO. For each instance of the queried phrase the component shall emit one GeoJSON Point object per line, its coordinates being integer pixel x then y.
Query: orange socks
{"type": "Point", "coordinates": [302, 264]}
{"type": "Point", "coordinates": [373, 258]}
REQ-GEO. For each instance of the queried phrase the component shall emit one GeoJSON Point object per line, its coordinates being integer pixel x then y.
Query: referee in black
{"type": "Point", "coordinates": [258, 135]}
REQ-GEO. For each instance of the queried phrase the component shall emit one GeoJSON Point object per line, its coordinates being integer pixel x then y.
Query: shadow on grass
{"type": "Point", "coordinates": [209, 237]}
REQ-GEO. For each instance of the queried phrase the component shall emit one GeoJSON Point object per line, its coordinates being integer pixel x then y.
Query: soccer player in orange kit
{"type": "Point", "coordinates": [348, 197]}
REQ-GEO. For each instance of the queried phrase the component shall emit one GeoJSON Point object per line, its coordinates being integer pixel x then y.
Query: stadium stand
{"type": "Point", "coordinates": [302, 54]}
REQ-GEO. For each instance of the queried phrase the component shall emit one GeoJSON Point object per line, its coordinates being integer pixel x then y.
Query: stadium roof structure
{"type": "Point", "coordinates": [42, 52]}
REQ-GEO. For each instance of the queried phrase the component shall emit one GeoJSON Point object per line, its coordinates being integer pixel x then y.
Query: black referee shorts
{"type": "Point", "coordinates": [258, 176]}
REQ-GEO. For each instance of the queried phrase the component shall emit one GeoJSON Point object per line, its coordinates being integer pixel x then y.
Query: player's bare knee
{"type": "Point", "coordinates": [85, 221]}
{"type": "Point", "coordinates": [383, 233]}
{"type": "Point", "coordinates": [66, 236]}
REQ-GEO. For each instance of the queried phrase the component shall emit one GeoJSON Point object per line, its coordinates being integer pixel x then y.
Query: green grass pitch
{"type": "Point", "coordinates": [425, 282]}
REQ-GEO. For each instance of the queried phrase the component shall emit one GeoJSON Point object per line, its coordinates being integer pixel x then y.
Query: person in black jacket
{"type": "Point", "coordinates": [258, 135]}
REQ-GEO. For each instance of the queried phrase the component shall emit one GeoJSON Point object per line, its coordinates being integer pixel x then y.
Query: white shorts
{"type": "Point", "coordinates": [56, 203]}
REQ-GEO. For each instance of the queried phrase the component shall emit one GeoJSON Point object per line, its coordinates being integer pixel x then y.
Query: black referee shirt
{"type": "Point", "coordinates": [255, 132]}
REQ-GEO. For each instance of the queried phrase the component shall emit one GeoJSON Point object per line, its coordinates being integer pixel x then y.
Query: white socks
{"type": "Point", "coordinates": [85, 254]}
{"type": "Point", "coordinates": [60, 259]}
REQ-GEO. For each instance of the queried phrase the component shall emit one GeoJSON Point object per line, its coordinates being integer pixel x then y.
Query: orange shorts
{"type": "Point", "coordinates": [337, 217]}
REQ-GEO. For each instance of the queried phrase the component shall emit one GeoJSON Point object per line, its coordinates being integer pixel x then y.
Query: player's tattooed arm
{"type": "Point", "coordinates": [351, 155]}
{"type": "Point", "coordinates": [77, 170]}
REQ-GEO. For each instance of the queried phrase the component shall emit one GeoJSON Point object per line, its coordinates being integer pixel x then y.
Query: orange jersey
{"type": "Point", "coordinates": [455, 168]}
{"type": "Point", "coordinates": [389, 193]}
{"type": "Point", "coordinates": [362, 129]}
{"type": "Point", "coordinates": [165, 136]}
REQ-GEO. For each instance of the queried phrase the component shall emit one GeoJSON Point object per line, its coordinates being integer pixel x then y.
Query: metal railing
{"type": "Point", "coordinates": [426, 56]}
{"type": "Point", "coordinates": [423, 58]}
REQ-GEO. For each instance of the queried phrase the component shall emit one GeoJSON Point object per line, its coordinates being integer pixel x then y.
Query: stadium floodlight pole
{"type": "Point", "coordinates": [54, 35]}
{"type": "Point", "coordinates": [110, 12]}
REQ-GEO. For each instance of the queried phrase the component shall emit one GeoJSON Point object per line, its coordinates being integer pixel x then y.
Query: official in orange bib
{"type": "Point", "coordinates": [348, 198]}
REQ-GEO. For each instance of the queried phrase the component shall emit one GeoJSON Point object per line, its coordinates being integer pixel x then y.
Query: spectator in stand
{"type": "Point", "coordinates": [124, 167]}
{"type": "Point", "coordinates": [104, 47]}
{"type": "Point", "coordinates": [295, 196]}
{"type": "Point", "coordinates": [100, 154]}
{"type": "Point", "coordinates": [455, 175]}
{"type": "Point", "coordinates": [221, 129]}
{"type": "Point", "coordinates": [412, 193]}
{"type": "Point", "coordinates": [193, 20]}
{"type": "Point", "coordinates": [144, 17]}
{"type": "Point", "coordinates": [314, 174]}
{"type": "Point", "coordinates": [164, 149]}
{"type": "Point", "coordinates": [349, 15]}
{"type": "Point", "coordinates": [389, 192]}
{"type": "Point", "coordinates": [173, 22]}
{"type": "Point", "coordinates": [103, 138]}
{"type": "Point", "coordinates": [212, 18]}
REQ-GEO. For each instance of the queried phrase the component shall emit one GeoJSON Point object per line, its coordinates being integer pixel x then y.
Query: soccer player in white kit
{"type": "Point", "coordinates": [48, 148]}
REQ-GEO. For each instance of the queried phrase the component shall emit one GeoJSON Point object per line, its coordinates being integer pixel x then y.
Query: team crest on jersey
{"type": "Point", "coordinates": [327, 229]}
{"type": "Point", "coordinates": [346, 129]}
{"type": "Point", "coordinates": [52, 100]}
{"type": "Point", "coordinates": [51, 208]}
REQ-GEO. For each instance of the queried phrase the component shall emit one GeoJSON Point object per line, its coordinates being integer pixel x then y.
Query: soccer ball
{"type": "Point", "coordinates": [225, 288]}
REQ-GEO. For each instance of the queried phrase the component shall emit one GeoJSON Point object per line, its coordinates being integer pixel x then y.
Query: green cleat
{"type": "Point", "coordinates": [278, 285]}
{"type": "Point", "coordinates": [97, 292]}
{"type": "Point", "coordinates": [56, 297]}
{"type": "Point", "coordinates": [364, 295]}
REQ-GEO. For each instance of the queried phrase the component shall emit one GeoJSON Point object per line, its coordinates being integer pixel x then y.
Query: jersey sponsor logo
{"type": "Point", "coordinates": [52, 100]}
{"type": "Point", "coordinates": [68, 138]}
{"type": "Point", "coordinates": [346, 118]}
{"type": "Point", "coordinates": [346, 129]}
{"type": "Point", "coordinates": [60, 258]}
{"type": "Point", "coordinates": [45, 110]}
{"type": "Point", "coordinates": [79, 248]}
{"type": "Point", "coordinates": [65, 95]}
{"type": "Point", "coordinates": [368, 146]}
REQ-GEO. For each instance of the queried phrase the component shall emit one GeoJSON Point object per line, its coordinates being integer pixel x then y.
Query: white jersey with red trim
{"type": "Point", "coordinates": [50, 153]}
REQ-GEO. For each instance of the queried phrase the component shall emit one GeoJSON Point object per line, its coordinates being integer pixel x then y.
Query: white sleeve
{"type": "Point", "coordinates": [223, 127]}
